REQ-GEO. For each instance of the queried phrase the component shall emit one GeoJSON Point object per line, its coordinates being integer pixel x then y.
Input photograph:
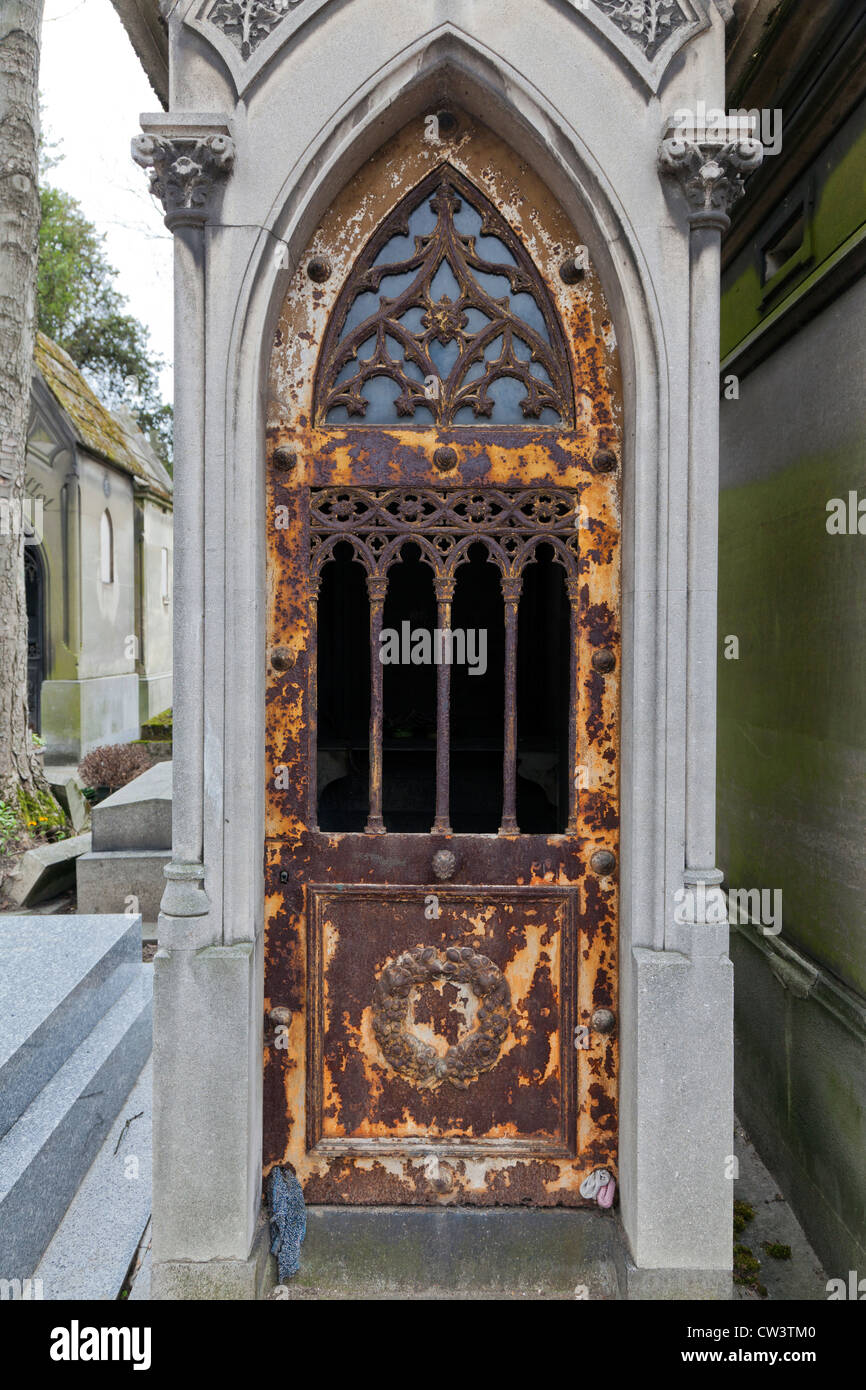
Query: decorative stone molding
{"type": "Point", "coordinates": [647, 23]}
{"type": "Point", "coordinates": [249, 33]}
{"type": "Point", "coordinates": [248, 22]}
{"type": "Point", "coordinates": [184, 171]}
{"type": "Point", "coordinates": [710, 170]}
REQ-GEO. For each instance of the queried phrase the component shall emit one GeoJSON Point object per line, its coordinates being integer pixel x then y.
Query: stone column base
{"type": "Point", "coordinates": [244, 1280]}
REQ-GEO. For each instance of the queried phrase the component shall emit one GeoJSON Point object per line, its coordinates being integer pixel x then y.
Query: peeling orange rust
{"type": "Point", "coordinates": [525, 1117]}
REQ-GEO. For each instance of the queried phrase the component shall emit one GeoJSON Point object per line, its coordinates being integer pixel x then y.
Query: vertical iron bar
{"type": "Point", "coordinates": [313, 718]}
{"type": "Point", "coordinates": [444, 594]}
{"type": "Point", "coordinates": [377, 586]}
{"type": "Point", "coordinates": [511, 585]}
{"type": "Point", "coordinates": [575, 772]}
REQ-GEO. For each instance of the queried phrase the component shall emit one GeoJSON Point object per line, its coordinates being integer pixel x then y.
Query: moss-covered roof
{"type": "Point", "coordinates": [114, 438]}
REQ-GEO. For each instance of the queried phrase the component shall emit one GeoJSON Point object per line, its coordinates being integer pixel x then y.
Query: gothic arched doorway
{"type": "Point", "coordinates": [442, 719]}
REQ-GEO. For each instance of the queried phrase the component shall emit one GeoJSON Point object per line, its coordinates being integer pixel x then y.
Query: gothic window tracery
{"type": "Point", "coordinates": [444, 320]}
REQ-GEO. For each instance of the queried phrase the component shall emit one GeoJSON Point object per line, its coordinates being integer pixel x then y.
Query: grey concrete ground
{"type": "Point", "coordinates": [774, 1222]}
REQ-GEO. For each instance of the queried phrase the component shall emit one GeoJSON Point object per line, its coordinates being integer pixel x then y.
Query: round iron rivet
{"type": "Point", "coordinates": [602, 1021]}
{"type": "Point", "coordinates": [445, 459]}
{"type": "Point", "coordinates": [603, 661]}
{"type": "Point", "coordinates": [603, 862]}
{"type": "Point", "coordinates": [570, 273]}
{"type": "Point", "coordinates": [447, 122]}
{"type": "Point", "coordinates": [285, 459]}
{"type": "Point", "coordinates": [280, 1014]}
{"type": "Point", "coordinates": [318, 269]}
{"type": "Point", "coordinates": [282, 659]}
{"type": "Point", "coordinates": [604, 460]}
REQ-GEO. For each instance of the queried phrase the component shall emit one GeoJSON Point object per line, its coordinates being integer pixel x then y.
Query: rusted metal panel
{"type": "Point", "coordinates": [427, 1058]}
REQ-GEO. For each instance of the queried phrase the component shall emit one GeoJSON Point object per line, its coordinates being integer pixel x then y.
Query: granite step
{"type": "Point", "coordinates": [58, 976]}
{"type": "Point", "coordinates": [409, 1253]}
{"type": "Point", "coordinates": [46, 1153]}
{"type": "Point", "coordinates": [93, 1247]}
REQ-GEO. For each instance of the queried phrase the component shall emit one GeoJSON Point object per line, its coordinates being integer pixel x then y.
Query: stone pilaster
{"type": "Point", "coordinates": [207, 1007]}
{"type": "Point", "coordinates": [709, 168]}
{"type": "Point", "coordinates": [186, 167]}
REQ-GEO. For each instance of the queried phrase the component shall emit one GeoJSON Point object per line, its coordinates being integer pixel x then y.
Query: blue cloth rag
{"type": "Point", "coordinates": [288, 1220]}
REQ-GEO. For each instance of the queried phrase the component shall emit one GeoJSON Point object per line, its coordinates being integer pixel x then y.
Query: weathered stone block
{"type": "Point", "coordinates": [122, 881]}
{"type": "Point", "coordinates": [46, 871]}
{"type": "Point", "coordinates": [137, 816]}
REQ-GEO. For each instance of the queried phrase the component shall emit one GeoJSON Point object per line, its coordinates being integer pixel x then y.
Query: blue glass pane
{"type": "Point", "coordinates": [490, 248]}
{"type": "Point", "coordinates": [412, 369]}
{"type": "Point", "coordinates": [393, 285]}
{"type": "Point", "coordinates": [363, 308]}
{"type": "Point", "coordinates": [444, 283]}
{"type": "Point", "coordinates": [444, 356]}
{"type": "Point", "coordinates": [475, 321]}
{"type": "Point", "coordinates": [411, 320]}
{"type": "Point", "coordinates": [380, 392]}
{"type": "Point", "coordinates": [525, 307]}
{"type": "Point", "coordinates": [497, 286]}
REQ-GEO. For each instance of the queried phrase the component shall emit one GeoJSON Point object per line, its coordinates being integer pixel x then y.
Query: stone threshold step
{"type": "Point", "coordinates": [91, 1251]}
{"type": "Point", "coordinates": [51, 1146]}
{"type": "Point", "coordinates": [456, 1253]}
{"type": "Point", "coordinates": [58, 976]}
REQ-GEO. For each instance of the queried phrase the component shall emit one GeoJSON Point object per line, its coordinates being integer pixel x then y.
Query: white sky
{"type": "Point", "coordinates": [93, 90]}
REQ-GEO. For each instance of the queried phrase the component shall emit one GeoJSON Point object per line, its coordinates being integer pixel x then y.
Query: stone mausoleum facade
{"type": "Point", "coordinates": [98, 567]}
{"type": "Point", "coordinates": [447, 327]}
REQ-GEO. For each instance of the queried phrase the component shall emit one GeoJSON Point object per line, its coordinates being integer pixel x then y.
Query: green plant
{"type": "Point", "coordinates": [9, 824]}
{"type": "Point", "coordinates": [746, 1270]}
{"type": "Point", "coordinates": [776, 1251]}
{"type": "Point", "coordinates": [743, 1214]}
{"type": "Point", "coordinates": [158, 729]}
{"type": "Point", "coordinates": [40, 815]}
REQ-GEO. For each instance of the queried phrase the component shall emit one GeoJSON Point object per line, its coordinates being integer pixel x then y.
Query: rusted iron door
{"type": "Point", "coordinates": [443, 456]}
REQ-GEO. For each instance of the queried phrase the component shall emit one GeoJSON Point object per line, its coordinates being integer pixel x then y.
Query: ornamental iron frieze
{"type": "Point", "coordinates": [445, 523]}
{"type": "Point", "coordinates": [477, 1051]}
{"type": "Point", "coordinates": [454, 324]}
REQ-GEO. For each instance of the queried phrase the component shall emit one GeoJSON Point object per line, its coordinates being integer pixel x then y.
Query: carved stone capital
{"type": "Point", "coordinates": [710, 172]}
{"type": "Point", "coordinates": [184, 172]}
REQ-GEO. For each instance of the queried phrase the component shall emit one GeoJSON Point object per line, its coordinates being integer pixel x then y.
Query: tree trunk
{"type": "Point", "coordinates": [20, 25]}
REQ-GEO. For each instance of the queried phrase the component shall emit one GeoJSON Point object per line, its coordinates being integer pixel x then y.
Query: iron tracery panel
{"type": "Point", "coordinates": [464, 337]}
{"type": "Point", "coordinates": [444, 523]}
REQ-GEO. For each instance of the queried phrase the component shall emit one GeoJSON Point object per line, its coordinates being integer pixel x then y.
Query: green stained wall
{"type": "Point", "coordinates": [837, 184]}
{"type": "Point", "coordinates": [792, 716]}
{"type": "Point", "coordinates": [792, 709]}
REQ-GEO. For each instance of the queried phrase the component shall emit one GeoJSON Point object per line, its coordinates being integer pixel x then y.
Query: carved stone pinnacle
{"type": "Point", "coordinates": [183, 173]}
